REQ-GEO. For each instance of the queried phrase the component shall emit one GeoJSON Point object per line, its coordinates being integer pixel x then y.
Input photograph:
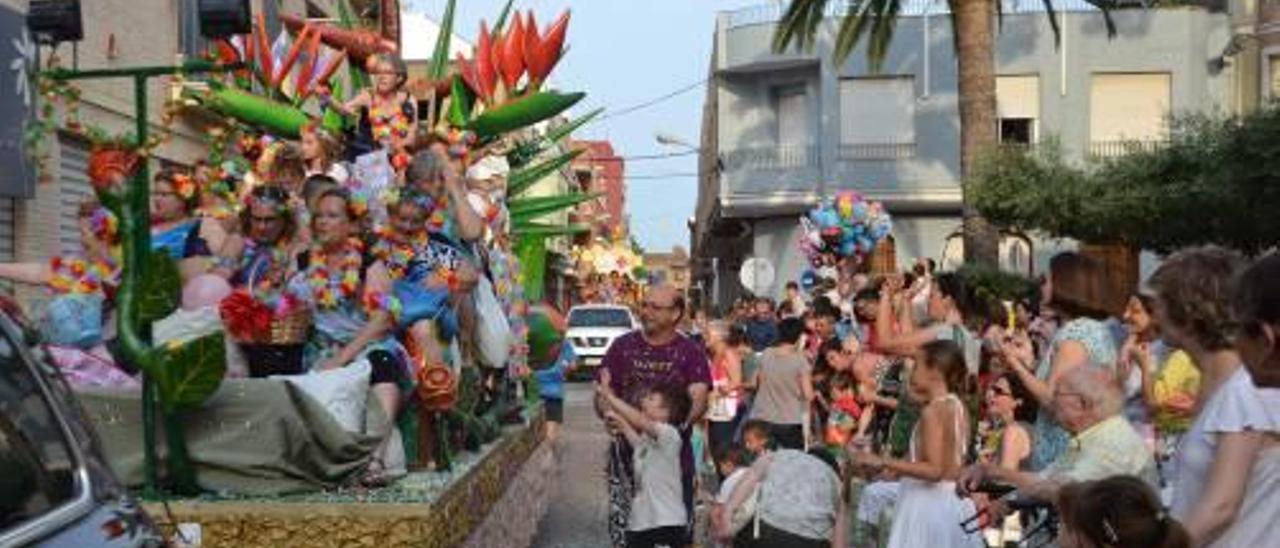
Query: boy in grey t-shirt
{"type": "Point", "coordinates": [658, 516]}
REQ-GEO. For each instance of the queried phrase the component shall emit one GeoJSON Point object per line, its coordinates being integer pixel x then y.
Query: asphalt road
{"type": "Point", "coordinates": [577, 516]}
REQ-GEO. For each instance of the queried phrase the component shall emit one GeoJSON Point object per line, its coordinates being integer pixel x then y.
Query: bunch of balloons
{"type": "Point", "coordinates": [846, 225]}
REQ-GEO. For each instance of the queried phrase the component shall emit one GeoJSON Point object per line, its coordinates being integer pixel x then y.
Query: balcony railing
{"type": "Point", "coordinates": [772, 13]}
{"type": "Point", "coordinates": [764, 158]}
{"type": "Point", "coordinates": [875, 152]}
{"type": "Point", "coordinates": [1111, 149]}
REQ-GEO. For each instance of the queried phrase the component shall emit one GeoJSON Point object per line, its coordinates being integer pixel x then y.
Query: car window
{"type": "Point", "coordinates": [37, 469]}
{"type": "Point", "coordinates": [600, 317]}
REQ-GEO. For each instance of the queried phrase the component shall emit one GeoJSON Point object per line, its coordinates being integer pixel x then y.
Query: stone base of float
{"type": "Point", "coordinates": [493, 497]}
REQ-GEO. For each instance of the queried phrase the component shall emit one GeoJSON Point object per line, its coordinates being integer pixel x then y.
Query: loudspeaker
{"type": "Point", "coordinates": [224, 18]}
{"type": "Point", "coordinates": [53, 21]}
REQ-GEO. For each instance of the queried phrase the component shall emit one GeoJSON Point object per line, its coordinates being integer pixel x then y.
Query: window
{"type": "Point", "coordinates": [1128, 108]}
{"type": "Point", "coordinates": [191, 41]}
{"type": "Point", "coordinates": [1273, 80]}
{"type": "Point", "coordinates": [1018, 108]}
{"type": "Point", "coordinates": [37, 470]}
{"type": "Point", "coordinates": [792, 106]}
{"type": "Point", "coordinates": [877, 117]}
{"type": "Point", "coordinates": [600, 317]}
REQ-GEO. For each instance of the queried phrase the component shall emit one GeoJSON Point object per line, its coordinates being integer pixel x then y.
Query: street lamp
{"type": "Point", "coordinates": [670, 140]}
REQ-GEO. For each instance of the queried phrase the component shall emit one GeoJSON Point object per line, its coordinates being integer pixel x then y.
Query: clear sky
{"type": "Point", "coordinates": [624, 53]}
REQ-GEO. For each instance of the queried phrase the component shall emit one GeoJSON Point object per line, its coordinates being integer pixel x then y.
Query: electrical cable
{"type": "Point", "coordinates": [650, 102]}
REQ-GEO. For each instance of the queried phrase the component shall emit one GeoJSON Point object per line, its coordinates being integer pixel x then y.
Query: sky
{"type": "Point", "coordinates": [623, 53]}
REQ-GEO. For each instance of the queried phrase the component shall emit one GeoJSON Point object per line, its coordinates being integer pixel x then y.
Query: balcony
{"type": "Point", "coordinates": [876, 152]}
{"type": "Point", "coordinates": [783, 157]}
{"type": "Point", "coordinates": [1113, 149]}
{"type": "Point", "coordinates": [766, 14]}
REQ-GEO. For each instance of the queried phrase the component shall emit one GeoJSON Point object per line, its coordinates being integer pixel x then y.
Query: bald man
{"type": "Point", "coordinates": [657, 355]}
{"type": "Point", "coordinates": [1088, 403]}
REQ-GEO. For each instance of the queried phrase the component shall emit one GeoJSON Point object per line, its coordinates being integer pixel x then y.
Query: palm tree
{"type": "Point", "coordinates": [974, 25]}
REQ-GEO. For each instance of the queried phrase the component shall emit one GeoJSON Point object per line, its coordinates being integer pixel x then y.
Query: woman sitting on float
{"type": "Point", "coordinates": [175, 230]}
{"type": "Point", "coordinates": [267, 254]}
{"type": "Point", "coordinates": [348, 294]}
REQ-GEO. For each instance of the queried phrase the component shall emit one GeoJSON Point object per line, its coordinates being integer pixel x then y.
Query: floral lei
{"type": "Point", "coordinates": [104, 225]}
{"type": "Point", "coordinates": [330, 288]}
{"type": "Point", "coordinates": [395, 252]}
{"type": "Point", "coordinates": [389, 122]}
{"type": "Point", "coordinates": [77, 276]}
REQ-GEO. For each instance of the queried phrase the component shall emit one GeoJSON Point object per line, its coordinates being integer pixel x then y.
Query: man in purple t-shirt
{"type": "Point", "coordinates": [655, 356]}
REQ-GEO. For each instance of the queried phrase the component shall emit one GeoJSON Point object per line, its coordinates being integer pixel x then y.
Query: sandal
{"type": "Point", "coordinates": [375, 474]}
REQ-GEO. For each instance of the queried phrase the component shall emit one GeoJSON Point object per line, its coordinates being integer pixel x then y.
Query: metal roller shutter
{"type": "Point", "coordinates": [73, 189]}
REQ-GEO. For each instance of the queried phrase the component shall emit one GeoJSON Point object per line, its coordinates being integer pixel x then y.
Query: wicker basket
{"type": "Point", "coordinates": [291, 328]}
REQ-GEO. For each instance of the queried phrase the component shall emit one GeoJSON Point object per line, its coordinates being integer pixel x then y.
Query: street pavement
{"type": "Point", "coordinates": [577, 515]}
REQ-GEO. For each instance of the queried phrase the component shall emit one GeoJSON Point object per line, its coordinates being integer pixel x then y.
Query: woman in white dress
{"type": "Point", "coordinates": [929, 512]}
{"type": "Point", "coordinates": [1237, 424]}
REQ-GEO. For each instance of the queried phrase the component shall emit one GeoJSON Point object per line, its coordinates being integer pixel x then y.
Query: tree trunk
{"type": "Point", "coordinates": [974, 30]}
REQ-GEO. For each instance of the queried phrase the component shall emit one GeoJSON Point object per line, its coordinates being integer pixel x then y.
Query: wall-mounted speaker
{"type": "Point", "coordinates": [54, 21]}
{"type": "Point", "coordinates": [224, 18]}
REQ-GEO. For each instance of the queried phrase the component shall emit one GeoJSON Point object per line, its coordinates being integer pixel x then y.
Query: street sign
{"type": "Point", "coordinates": [18, 95]}
{"type": "Point", "coordinates": [757, 275]}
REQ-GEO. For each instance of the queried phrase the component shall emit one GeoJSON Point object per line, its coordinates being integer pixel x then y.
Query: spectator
{"type": "Point", "coordinates": [1008, 440]}
{"type": "Point", "coordinates": [1237, 422]}
{"type": "Point", "coordinates": [1117, 511]}
{"type": "Point", "coordinates": [1256, 308]}
{"type": "Point", "coordinates": [731, 464]}
{"type": "Point", "coordinates": [551, 388]}
{"type": "Point", "coordinates": [658, 516]}
{"type": "Point", "coordinates": [1074, 290]}
{"type": "Point", "coordinates": [1088, 404]}
{"type": "Point", "coordinates": [785, 388]}
{"type": "Point", "coordinates": [762, 328]}
{"type": "Point", "coordinates": [799, 501]}
{"type": "Point", "coordinates": [795, 299]}
{"type": "Point", "coordinates": [656, 356]}
{"type": "Point", "coordinates": [726, 387]}
{"type": "Point", "coordinates": [928, 512]}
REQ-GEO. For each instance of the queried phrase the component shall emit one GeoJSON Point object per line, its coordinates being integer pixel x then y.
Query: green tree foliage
{"type": "Point", "coordinates": [1217, 180]}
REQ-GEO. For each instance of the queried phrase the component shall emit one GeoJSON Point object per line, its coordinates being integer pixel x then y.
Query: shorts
{"type": "Point", "coordinates": [661, 536]}
{"type": "Point", "coordinates": [554, 409]}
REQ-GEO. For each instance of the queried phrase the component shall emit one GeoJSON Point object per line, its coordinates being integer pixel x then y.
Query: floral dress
{"type": "Point", "coordinates": [1051, 438]}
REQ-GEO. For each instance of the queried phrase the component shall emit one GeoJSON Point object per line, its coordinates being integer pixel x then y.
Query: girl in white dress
{"type": "Point", "coordinates": [929, 512]}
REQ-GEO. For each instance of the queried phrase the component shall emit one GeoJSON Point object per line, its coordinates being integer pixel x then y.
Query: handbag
{"type": "Point", "coordinates": [74, 320]}
{"type": "Point", "coordinates": [493, 333]}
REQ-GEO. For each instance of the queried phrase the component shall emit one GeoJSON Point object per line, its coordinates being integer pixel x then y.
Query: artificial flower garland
{"type": "Point", "coordinates": [77, 276]}
{"type": "Point", "coordinates": [329, 289]}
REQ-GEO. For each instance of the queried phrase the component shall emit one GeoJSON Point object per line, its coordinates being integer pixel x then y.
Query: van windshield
{"type": "Point", "coordinates": [600, 317]}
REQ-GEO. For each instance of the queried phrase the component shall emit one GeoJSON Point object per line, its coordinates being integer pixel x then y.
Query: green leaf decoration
{"type": "Point", "coordinates": [439, 66]}
{"type": "Point", "coordinates": [190, 373]}
{"type": "Point", "coordinates": [460, 101]}
{"type": "Point", "coordinates": [502, 18]}
{"type": "Point", "coordinates": [161, 289]}
{"type": "Point", "coordinates": [535, 229]}
{"type": "Point", "coordinates": [525, 209]}
{"type": "Point", "coordinates": [528, 151]}
{"type": "Point", "coordinates": [279, 118]}
{"type": "Point", "coordinates": [521, 179]}
{"type": "Point", "coordinates": [523, 112]}
{"type": "Point", "coordinates": [532, 251]}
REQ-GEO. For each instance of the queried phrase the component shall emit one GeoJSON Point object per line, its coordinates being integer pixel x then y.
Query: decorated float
{"type": "Point", "coordinates": [271, 462]}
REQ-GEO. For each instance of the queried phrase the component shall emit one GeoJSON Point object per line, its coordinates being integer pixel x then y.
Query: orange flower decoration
{"type": "Point", "coordinates": [184, 186]}
{"type": "Point", "coordinates": [105, 164]}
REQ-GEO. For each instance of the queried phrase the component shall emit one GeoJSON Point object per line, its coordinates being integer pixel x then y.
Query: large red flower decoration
{"type": "Point", "coordinates": [110, 166]}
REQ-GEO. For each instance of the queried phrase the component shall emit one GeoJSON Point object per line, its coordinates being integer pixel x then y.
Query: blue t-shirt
{"type": "Point", "coordinates": [551, 379]}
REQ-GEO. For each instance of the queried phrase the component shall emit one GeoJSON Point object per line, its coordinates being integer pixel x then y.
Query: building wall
{"type": "Point", "coordinates": [606, 176]}
{"type": "Point", "coordinates": [1176, 41]}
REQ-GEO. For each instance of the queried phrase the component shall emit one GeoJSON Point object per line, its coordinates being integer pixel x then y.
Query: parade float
{"type": "Point", "coordinates": [463, 450]}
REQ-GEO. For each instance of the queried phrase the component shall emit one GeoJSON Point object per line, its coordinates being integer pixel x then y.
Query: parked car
{"type": "Point", "coordinates": [593, 328]}
{"type": "Point", "coordinates": [56, 488]}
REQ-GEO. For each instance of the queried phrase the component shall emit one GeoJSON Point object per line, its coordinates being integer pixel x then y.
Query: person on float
{"type": "Point", "coordinates": [175, 230]}
{"type": "Point", "coordinates": [322, 152]}
{"type": "Point", "coordinates": [403, 247]}
{"type": "Point", "coordinates": [353, 311]}
{"type": "Point", "coordinates": [220, 196]}
{"type": "Point", "coordinates": [267, 252]}
{"type": "Point", "coordinates": [388, 113]}
{"type": "Point", "coordinates": [453, 227]}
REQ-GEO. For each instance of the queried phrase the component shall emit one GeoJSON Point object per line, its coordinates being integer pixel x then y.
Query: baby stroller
{"type": "Point", "coordinates": [1041, 515]}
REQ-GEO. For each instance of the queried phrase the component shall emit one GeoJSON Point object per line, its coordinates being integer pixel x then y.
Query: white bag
{"type": "Point", "coordinates": [342, 391]}
{"type": "Point", "coordinates": [493, 334]}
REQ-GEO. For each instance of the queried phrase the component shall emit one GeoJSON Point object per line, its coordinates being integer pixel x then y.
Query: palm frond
{"type": "Point", "coordinates": [1052, 14]}
{"type": "Point", "coordinates": [799, 25]}
{"type": "Point", "coordinates": [1106, 6]}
